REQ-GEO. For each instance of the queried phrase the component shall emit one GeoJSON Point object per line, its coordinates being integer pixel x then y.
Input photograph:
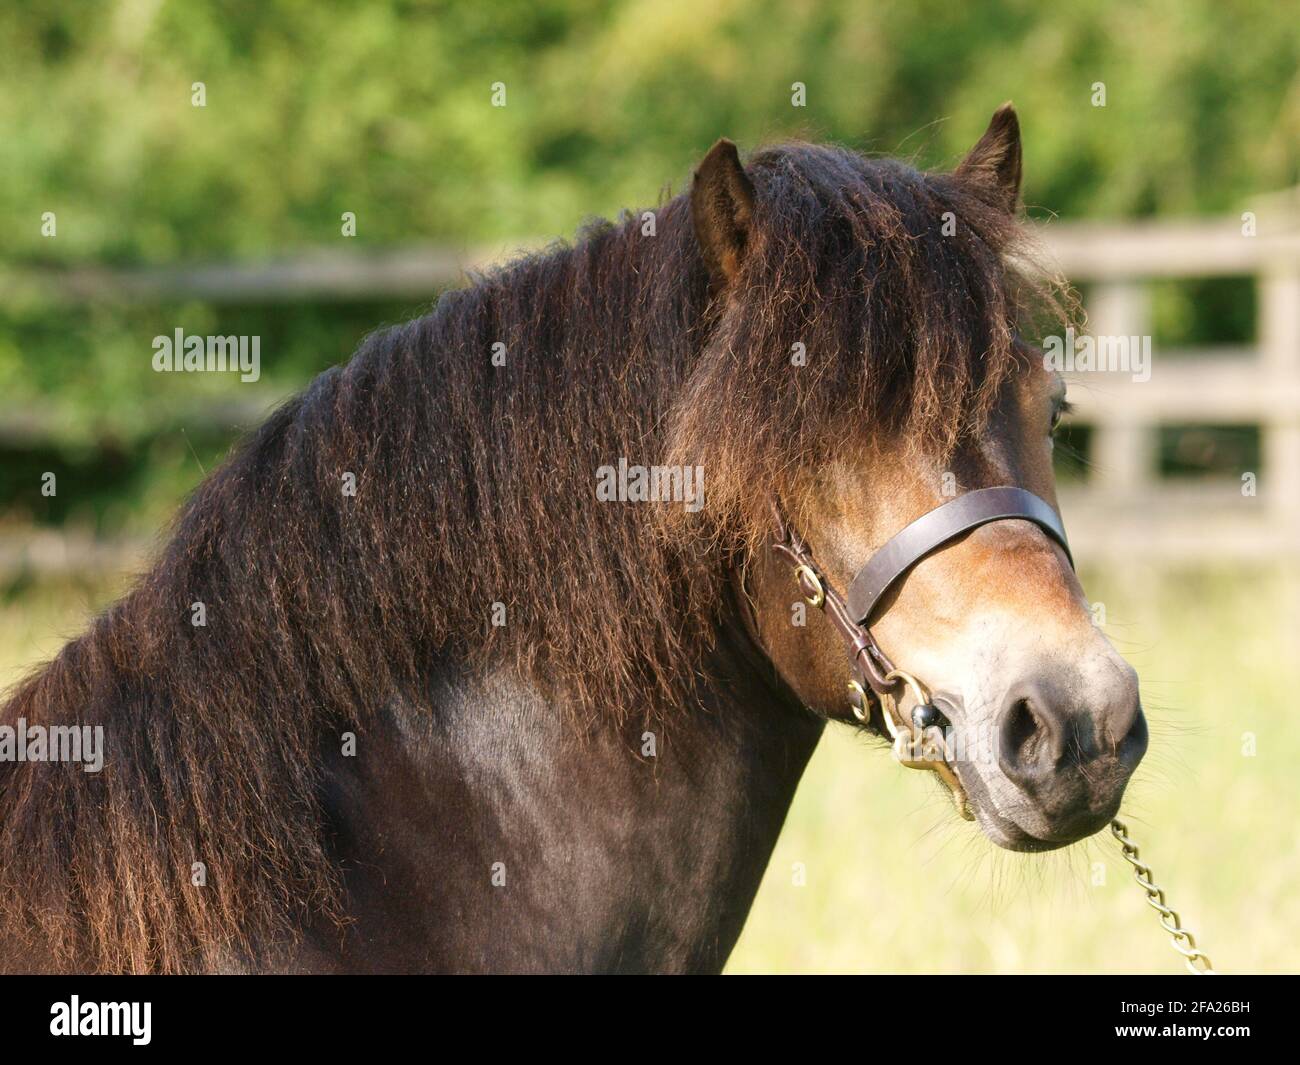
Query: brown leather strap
{"type": "Point", "coordinates": [938, 527]}
{"type": "Point", "coordinates": [869, 663]}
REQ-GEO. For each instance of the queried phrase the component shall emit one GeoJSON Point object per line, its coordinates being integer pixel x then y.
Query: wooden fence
{"type": "Point", "coordinates": [1123, 510]}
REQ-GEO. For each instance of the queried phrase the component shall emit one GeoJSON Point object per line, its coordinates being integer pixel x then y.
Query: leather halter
{"type": "Point", "coordinates": [852, 618]}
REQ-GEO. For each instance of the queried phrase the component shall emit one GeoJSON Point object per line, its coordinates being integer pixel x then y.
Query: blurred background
{"type": "Point", "coordinates": [190, 165]}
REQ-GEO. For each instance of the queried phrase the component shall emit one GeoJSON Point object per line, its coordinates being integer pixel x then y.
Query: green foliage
{"type": "Point", "coordinates": [385, 110]}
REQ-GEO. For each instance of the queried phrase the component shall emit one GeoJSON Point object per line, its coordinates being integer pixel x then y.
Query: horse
{"type": "Point", "coordinates": [407, 691]}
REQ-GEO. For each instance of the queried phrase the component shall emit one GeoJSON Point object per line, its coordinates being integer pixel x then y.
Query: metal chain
{"type": "Point", "coordinates": [1179, 937]}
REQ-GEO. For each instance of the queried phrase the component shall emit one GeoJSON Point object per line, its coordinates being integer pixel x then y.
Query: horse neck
{"type": "Point", "coordinates": [633, 845]}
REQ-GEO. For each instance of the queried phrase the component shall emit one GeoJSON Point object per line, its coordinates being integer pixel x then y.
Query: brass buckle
{"type": "Point", "coordinates": [921, 748]}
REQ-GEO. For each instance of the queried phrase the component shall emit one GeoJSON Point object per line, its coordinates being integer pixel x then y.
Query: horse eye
{"type": "Point", "coordinates": [1059, 411]}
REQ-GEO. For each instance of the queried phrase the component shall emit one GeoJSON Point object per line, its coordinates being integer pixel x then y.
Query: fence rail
{"type": "Point", "coordinates": [400, 273]}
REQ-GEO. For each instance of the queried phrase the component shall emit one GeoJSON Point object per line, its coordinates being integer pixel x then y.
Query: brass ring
{"type": "Point", "coordinates": [819, 596]}
{"type": "Point", "coordinates": [918, 690]}
{"type": "Point", "coordinates": [861, 709]}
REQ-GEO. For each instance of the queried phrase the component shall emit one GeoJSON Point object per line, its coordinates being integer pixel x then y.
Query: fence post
{"type": "Point", "coordinates": [1124, 445]}
{"type": "Point", "coordinates": [1279, 341]}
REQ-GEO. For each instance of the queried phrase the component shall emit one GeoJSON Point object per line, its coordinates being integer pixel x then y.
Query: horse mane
{"type": "Point", "coordinates": [475, 503]}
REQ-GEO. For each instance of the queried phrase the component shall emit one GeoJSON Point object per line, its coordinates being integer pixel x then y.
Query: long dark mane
{"type": "Point", "coordinates": [475, 486]}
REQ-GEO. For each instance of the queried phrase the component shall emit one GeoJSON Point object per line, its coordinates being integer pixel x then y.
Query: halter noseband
{"type": "Point", "coordinates": [918, 744]}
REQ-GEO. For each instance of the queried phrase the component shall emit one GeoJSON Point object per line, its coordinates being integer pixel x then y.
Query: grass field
{"type": "Point", "coordinates": [893, 882]}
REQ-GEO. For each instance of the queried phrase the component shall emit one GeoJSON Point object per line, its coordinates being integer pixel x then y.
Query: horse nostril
{"type": "Point", "coordinates": [1019, 730]}
{"type": "Point", "coordinates": [1030, 740]}
{"type": "Point", "coordinates": [1134, 745]}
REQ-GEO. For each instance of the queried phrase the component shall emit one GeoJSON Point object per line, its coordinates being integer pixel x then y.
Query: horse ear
{"type": "Point", "coordinates": [722, 210]}
{"type": "Point", "coordinates": [995, 161]}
